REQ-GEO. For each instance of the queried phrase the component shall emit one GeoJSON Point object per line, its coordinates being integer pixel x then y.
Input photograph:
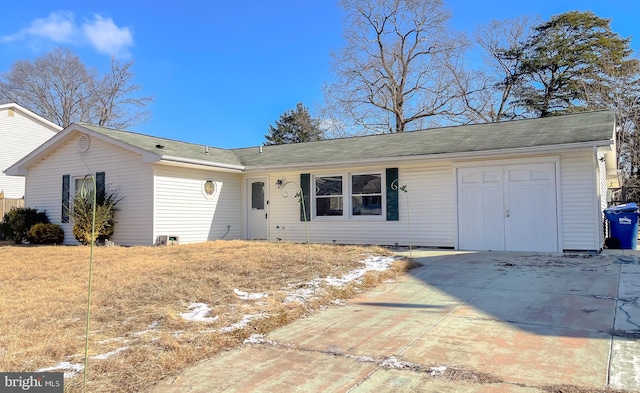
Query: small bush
{"type": "Point", "coordinates": [46, 234]}
{"type": "Point", "coordinates": [18, 221]}
{"type": "Point", "coordinates": [82, 216]}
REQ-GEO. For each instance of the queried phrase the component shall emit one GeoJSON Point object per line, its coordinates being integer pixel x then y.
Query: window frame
{"type": "Point", "coordinates": [347, 196]}
{"type": "Point", "coordinates": [374, 217]}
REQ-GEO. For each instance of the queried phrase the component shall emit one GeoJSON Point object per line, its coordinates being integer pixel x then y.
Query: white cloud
{"type": "Point", "coordinates": [58, 27]}
{"type": "Point", "coordinates": [101, 33]}
{"type": "Point", "coordinates": [106, 37]}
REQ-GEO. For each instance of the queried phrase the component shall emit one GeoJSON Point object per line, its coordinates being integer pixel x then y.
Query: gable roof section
{"type": "Point", "coordinates": [39, 119]}
{"type": "Point", "coordinates": [172, 150]}
{"type": "Point", "coordinates": [591, 128]}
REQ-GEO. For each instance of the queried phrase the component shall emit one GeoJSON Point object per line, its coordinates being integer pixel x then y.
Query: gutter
{"type": "Point", "coordinates": [189, 161]}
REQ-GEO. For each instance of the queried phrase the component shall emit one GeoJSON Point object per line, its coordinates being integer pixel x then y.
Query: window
{"type": "Point", "coordinates": [366, 195]}
{"type": "Point", "coordinates": [257, 195]}
{"type": "Point", "coordinates": [328, 196]}
{"type": "Point", "coordinates": [83, 182]}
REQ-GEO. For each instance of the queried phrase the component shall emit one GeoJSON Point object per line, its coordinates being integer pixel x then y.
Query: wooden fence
{"type": "Point", "coordinates": [7, 203]}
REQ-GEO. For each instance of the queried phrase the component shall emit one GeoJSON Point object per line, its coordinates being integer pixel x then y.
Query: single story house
{"type": "Point", "coordinates": [527, 185]}
{"type": "Point", "coordinates": [21, 131]}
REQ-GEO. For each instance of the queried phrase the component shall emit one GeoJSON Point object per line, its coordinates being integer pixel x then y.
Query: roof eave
{"type": "Point", "coordinates": [439, 156]}
{"type": "Point", "coordinates": [182, 161]}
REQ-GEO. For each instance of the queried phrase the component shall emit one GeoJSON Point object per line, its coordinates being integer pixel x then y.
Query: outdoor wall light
{"type": "Point", "coordinates": [279, 183]}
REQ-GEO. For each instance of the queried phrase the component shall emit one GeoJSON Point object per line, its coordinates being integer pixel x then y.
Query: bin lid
{"type": "Point", "coordinates": [627, 207]}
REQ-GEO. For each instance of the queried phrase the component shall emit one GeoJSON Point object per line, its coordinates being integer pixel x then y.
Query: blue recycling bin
{"type": "Point", "coordinates": [623, 222]}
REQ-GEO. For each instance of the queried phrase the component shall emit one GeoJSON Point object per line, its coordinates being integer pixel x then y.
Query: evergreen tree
{"type": "Point", "coordinates": [562, 56]}
{"type": "Point", "coordinates": [294, 126]}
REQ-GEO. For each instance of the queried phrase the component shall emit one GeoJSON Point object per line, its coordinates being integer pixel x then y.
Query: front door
{"type": "Point", "coordinates": [257, 212]}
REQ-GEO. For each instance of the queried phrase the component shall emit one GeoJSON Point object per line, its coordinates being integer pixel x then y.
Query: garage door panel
{"type": "Point", "coordinates": [480, 209]}
{"type": "Point", "coordinates": [512, 208]}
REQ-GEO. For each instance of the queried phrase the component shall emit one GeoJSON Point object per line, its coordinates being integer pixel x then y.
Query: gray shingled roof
{"type": "Point", "coordinates": [169, 146]}
{"type": "Point", "coordinates": [577, 128]}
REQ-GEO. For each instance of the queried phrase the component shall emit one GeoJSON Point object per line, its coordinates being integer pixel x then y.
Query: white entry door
{"type": "Point", "coordinates": [257, 212]}
{"type": "Point", "coordinates": [512, 208]}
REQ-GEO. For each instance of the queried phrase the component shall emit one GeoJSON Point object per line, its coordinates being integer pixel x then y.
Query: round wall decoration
{"type": "Point", "coordinates": [209, 188]}
{"type": "Point", "coordinates": [84, 142]}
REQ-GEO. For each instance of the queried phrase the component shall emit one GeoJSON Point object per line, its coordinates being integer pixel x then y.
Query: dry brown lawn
{"type": "Point", "coordinates": [138, 295]}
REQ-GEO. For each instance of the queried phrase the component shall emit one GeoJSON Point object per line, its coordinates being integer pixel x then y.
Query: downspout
{"type": "Point", "coordinates": [600, 234]}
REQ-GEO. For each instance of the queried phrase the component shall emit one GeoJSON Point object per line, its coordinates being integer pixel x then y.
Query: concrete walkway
{"type": "Point", "coordinates": [463, 322]}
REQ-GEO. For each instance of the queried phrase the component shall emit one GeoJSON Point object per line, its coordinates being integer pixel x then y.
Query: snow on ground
{"type": "Point", "coordinates": [300, 292]}
{"type": "Point", "coordinates": [244, 322]}
{"type": "Point", "coordinates": [372, 263]}
{"type": "Point", "coordinates": [198, 312]}
{"type": "Point", "coordinates": [248, 296]}
{"type": "Point", "coordinates": [107, 355]}
{"type": "Point", "coordinates": [73, 369]}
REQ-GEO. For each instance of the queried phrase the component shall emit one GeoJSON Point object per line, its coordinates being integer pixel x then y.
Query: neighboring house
{"type": "Point", "coordinates": [528, 185]}
{"type": "Point", "coordinates": [21, 131]}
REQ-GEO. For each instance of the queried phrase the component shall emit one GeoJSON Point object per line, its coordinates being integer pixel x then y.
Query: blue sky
{"type": "Point", "coordinates": [221, 71]}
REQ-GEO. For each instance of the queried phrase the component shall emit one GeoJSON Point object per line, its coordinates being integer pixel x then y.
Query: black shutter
{"type": "Point", "coordinates": [100, 188]}
{"type": "Point", "coordinates": [392, 194]}
{"type": "Point", "coordinates": [66, 179]}
{"type": "Point", "coordinates": [305, 186]}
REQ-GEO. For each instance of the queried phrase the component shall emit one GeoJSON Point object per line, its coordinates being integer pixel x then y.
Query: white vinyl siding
{"type": "Point", "coordinates": [19, 135]}
{"type": "Point", "coordinates": [580, 227]}
{"type": "Point", "coordinates": [429, 198]}
{"type": "Point", "coordinates": [124, 171]}
{"type": "Point", "coordinates": [182, 209]}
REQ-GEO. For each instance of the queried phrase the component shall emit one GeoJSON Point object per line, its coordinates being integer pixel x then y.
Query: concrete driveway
{"type": "Point", "coordinates": [463, 322]}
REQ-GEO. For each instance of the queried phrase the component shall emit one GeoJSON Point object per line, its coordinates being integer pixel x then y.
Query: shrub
{"type": "Point", "coordinates": [82, 212]}
{"type": "Point", "coordinates": [18, 221]}
{"type": "Point", "coordinates": [42, 233]}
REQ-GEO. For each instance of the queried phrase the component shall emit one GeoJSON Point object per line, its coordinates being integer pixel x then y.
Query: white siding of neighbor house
{"type": "Point", "coordinates": [124, 171]}
{"type": "Point", "coordinates": [181, 208]}
{"type": "Point", "coordinates": [581, 226]}
{"type": "Point", "coordinates": [428, 201]}
{"type": "Point", "coordinates": [19, 135]}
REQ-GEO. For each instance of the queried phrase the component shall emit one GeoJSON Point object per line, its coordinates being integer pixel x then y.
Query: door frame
{"type": "Point", "coordinates": [247, 202]}
{"type": "Point", "coordinates": [555, 159]}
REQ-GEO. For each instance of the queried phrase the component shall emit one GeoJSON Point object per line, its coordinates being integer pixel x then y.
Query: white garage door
{"type": "Point", "coordinates": [508, 208]}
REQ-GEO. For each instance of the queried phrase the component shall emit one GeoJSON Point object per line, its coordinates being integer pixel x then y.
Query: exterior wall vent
{"type": "Point", "coordinates": [167, 240]}
{"type": "Point", "coordinates": [83, 143]}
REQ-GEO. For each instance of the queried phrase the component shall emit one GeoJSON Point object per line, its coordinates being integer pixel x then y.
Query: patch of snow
{"type": "Point", "coordinates": [371, 263]}
{"type": "Point", "coordinates": [151, 326]}
{"type": "Point", "coordinates": [300, 295]}
{"type": "Point", "coordinates": [339, 302]}
{"type": "Point", "coordinates": [363, 359]}
{"type": "Point", "coordinates": [111, 340]}
{"type": "Point", "coordinates": [248, 296]}
{"type": "Point", "coordinates": [198, 312]}
{"type": "Point", "coordinates": [74, 369]}
{"type": "Point", "coordinates": [244, 322]}
{"type": "Point", "coordinates": [394, 363]}
{"type": "Point", "coordinates": [435, 371]}
{"type": "Point", "coordinates": [107, 355]}
{"type": "Point", "coordinates": [258, 339]}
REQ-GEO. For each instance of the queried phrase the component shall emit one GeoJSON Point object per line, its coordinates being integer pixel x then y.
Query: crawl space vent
{"type": "Point", "coordinates": [83, 143]}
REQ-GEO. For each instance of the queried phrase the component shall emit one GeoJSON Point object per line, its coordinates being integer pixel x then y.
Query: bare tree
{"type": "Point", "coordinates": [116, 104]}
{"type": "Point", "coordinates": [487, 93]}
{"type": "Point", "coordinates": [394, 72]}
{"type": "Point", "coordinates": [59, 87]}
